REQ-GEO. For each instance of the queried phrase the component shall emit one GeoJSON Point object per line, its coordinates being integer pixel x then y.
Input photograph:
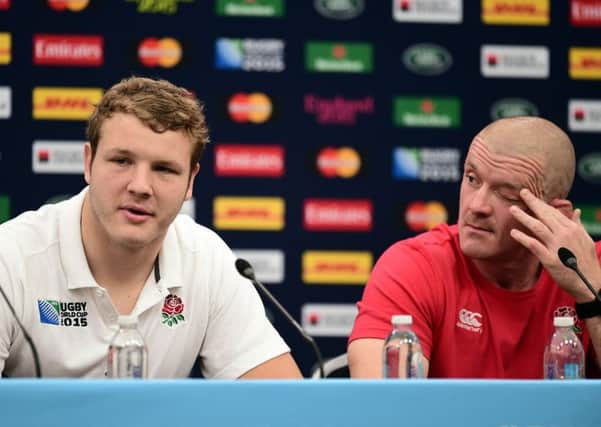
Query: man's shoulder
{"type": "Point", "coordinates": [34, 229]}
{"type": "Point", "coordinates": [437, 243]}
{"type": "Point", "coordinates": [193, 235]}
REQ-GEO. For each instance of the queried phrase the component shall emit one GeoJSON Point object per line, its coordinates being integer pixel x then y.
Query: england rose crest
{"type": "Point", "coordinates": [173, 311]}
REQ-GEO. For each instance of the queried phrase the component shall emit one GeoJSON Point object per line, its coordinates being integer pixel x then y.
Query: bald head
{"type": "Point", "coordinates": [539, 140]}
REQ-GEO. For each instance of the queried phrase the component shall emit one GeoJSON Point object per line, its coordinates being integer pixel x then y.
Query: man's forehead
{"type": "Point", "coordinates": [511, 175]}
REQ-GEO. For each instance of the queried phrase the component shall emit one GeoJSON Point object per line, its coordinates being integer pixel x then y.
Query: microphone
{"type": "Point", "coordinates": [34, 352]}
{"type": "Point", "coordinates": [246, 270]}
{"type": "Point", "coordinates": [568, 259]}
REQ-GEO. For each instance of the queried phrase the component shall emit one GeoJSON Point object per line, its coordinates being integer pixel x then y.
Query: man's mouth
{"type": "Point", "coordinates": [136, 211]}
{"type": "Point", "coordinates": [480, 228]}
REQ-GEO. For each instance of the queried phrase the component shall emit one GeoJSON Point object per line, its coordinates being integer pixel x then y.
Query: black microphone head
{"type": "Point", "coordinates": [567, 258]}
{"type": "Point", "coordinates": [245, 269]}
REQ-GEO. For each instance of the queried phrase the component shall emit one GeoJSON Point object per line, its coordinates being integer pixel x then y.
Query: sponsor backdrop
{"type": "Point", "coordinates": [338, 127]}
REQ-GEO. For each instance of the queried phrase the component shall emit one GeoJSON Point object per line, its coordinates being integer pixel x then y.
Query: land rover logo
{"type": "Point", "coordinates": [340, 9]}
{"type": "Point", "coordinates": [589, 168]}
{"type": "Point", "coordinates": [427, 59]}
{"type": "Point", "coordinates": [512, 107]}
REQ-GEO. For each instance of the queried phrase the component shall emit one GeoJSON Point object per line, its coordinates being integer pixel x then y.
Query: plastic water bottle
{"type": "Point", "coordinates": [402, 356]}
{"type": "Point", "coordinates": [127, 356]}
{"type": "Point", "coordinates": [564, 356]}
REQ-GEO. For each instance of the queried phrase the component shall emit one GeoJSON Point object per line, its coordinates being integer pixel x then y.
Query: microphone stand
{"type": "Point", "coordinates": [568, 259]}
{"type": "Point", "coordinates": [246, 270]}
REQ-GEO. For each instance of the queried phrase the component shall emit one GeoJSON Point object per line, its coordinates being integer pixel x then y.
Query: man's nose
{"type": "Point", "coordinates": [140, 181]}
{"type": "Point", "coordinates": [480, 201]}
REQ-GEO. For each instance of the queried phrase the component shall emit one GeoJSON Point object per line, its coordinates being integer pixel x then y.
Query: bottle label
{"type": "Point", "coordinates": [417, 365]}
{"type": "Point", "coordinates": [136, 372]}
{"type": "Point", "coordinates": [550, 372]}
{"type": "Point", "coordinates": [571, 371]}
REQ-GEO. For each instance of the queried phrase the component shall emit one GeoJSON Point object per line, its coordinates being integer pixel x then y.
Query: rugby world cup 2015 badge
{"type": "Point", "coordinates": [172, 313]}
{"type": "Point", "coordinates": [61, 313]}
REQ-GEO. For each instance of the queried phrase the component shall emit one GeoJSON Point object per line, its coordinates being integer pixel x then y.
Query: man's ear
{"type": "Point", "coordinates": [87, 162]}
{"type": "Point", "coordinates": [564, 206]}
{"type": "Point", "coordinates": [193, 174]}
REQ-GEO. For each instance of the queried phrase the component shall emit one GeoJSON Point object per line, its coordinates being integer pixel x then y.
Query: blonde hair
{"type": "Point", "coordinates": [158, 104]}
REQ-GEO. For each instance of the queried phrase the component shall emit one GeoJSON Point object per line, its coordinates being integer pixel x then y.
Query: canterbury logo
{"type": "Point", "coordinates": [470, 320]}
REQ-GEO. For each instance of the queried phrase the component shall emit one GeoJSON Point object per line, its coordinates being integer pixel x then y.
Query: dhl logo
{"type": "Point", "coordinates": [518, 12]}
{"type": "Point", "coordinates": [5, 48]}
{"type": "Point", "coordinates": [331, 267]}
{"type": "Point", "coordinates": [585, 63]}
{"type": "Point", "coordinates": [248, 213]}
{"type": "Point", "coordinates": [53, 103]}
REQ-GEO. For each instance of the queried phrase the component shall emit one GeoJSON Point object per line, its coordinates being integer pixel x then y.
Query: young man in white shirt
{"type": "Point", "coordinates": [119, 248]}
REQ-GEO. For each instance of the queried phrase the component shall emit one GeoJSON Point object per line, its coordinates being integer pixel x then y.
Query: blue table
{"type": "Point", "coordinates": [309, 403]}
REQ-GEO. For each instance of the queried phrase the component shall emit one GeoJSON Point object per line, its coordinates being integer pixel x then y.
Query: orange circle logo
{"type": "Point", "coordinates": [254, 107]}
{"type": "Point", "coordinates": [72, 5]}
{"type": "Point", "coordinates": [421, 216]}
{"type": "Point", "coordinates": [165, 52]}
{"type": "Point", "coordinates": [343, 162]}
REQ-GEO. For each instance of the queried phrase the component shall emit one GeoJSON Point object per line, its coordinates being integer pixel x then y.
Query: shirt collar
{"type": "Point", "coordinates": [170, 260]}
{"type": "Point", "coordinates": [75, 263]}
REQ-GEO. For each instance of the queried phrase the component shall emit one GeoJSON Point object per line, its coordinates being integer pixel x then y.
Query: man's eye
{"type": "Point", "coordinates": [164, 169]}
{"type": "Point", "coordinates": [120, 160]}
{"type": "Point", "coordinates": [510, 198]}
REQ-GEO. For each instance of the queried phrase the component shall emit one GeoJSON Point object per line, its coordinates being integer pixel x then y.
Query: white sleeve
{"type": "Point", "coordinates": [8, 325]}
{"type": "Point", "coordinates": [239, 336]}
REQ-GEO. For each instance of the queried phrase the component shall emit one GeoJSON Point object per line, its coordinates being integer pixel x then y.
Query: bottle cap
{"type": "Point", "coordinates": [563, 321]}
{"type": "Point", "coordinates": [129, 320]}
{"type": "Point", "coordinates": [402, 319]}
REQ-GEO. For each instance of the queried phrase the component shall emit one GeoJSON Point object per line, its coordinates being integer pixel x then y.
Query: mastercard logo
{"type": "Point", "coordinates": [165, 52]}
{"type": "Point", "coordinates": [71, 5]}
{"type": "Point", "coordinates": [421, 216]}
{"type": "Point", "coordinates": [253, 107]}
{"type": "Point", "coordinates": [343, 162]}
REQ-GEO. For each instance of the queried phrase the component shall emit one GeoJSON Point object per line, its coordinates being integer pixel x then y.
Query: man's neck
{"type": "Point", "coordinates": [513, 275]}
{"type": "Point", "coordinates": [115, 267]}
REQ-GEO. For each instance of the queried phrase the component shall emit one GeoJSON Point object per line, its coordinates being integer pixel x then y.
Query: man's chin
{"type": "Point", "coordinates": [132, 242]}
{"type": "Point", "coordinates": [475, 250]}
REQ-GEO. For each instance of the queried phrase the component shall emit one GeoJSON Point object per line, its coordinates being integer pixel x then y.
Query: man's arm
{"type": "Point", "coordinates": [280, 367]}
{"type": "Point", "coordinates": [552, 229]}
{"type": "Point", "coordinates": [365, 358]}
{"type": "Point", "coordinates": [400, 283]}
{"type": "Point", "coordinates": [593, 325]}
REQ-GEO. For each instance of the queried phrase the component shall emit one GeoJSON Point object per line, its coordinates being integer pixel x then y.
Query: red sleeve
{"type": "Point", "coordinates": [593, 370]}
{"type": "Point", "coordinates": [402, 282]}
